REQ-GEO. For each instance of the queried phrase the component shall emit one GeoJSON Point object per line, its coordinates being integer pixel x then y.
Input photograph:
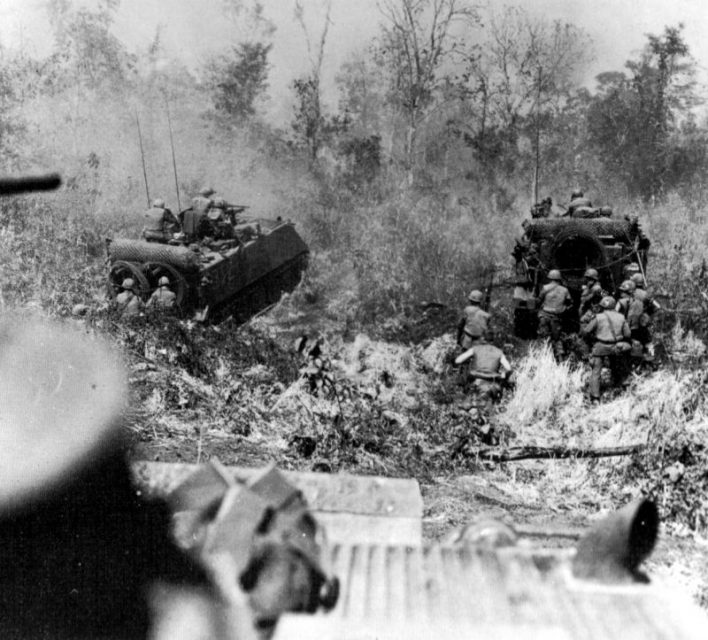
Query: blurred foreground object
{"type": "Point", "coordinates": [26, 184]}
{"type": "Point", "coordinates": [78, 545]}
{"type": "Point", "coordinates": [485, 581]}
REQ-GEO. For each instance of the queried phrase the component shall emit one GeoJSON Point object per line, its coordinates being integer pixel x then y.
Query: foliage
{"type": "Point", "coordinates": [237, 80]}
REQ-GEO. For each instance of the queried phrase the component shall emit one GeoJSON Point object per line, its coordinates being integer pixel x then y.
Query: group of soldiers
{"type": "Point", "coordinates": [486, 366]}
{"type": "Point", "coordinates": [209, 217]}
{"type": "Point", "coordinates": [130, 305]}
{"type": "Point", "coordinates": [613, 331]}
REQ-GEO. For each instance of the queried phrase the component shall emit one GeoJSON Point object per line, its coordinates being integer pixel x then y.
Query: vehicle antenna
{"type": "Point", "coordinates": [142, 156]}
{"type": "Point", "coordinates": [172, 145]}
{"type": "Point", "coordinates": [538, 139]}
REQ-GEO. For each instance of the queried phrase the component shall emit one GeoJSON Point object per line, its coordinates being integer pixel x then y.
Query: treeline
{"type": "Point", "coordinates": [418, 178]}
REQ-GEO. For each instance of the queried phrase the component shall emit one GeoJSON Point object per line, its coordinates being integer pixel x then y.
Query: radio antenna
{"type": "Point", "coordinates": [142, 157]}
{"type": "Point", "coordinates": [172, 145]}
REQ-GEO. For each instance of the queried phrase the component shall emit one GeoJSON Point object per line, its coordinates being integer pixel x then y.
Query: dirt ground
{"type": "Point", "coordinates": [256, 419]}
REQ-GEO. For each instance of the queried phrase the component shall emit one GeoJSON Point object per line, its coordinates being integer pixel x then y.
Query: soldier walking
{"type": "Point", "coordinates": [474, 322]}
{"type": "Point", "coordinates": [128, 302]}
{"type": "Point", "coordinates": [163, 298]}
{"type": "Point", "coordinates": [610, 333]}
{"type": "Point", "coordinates": [649, 306]}
{"type": "Point", "coordinates": [489, 369]}
{"type": "Point", "coordinates": [553, 301]}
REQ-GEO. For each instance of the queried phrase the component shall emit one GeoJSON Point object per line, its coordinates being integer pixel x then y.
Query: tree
{"type": "Point", "coordinates": [309, 121]}
{"type": "Point", "coordinates": [236, 80]}
{"type": "Point", "coordinates": [415, 44]}
{"type": "Point", "coordinates": [521, 81]}
{"type": "Point", "coordinates": [639, 122]}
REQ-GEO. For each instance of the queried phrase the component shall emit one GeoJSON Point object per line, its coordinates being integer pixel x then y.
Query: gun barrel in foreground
{"type": "Point", "coordinates": [26, 184]}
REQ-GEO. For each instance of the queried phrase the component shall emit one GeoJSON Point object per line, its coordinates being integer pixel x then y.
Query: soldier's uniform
{"type": "Point", "coordinates": [474, 322]}
{"type": "Point", "coordinates": [591, 293]}
{"type": "Point", "coordinates": [610, 333]}
{"type": "Point", "coordinates": [160, 223]}
{"type": "Point", "coordinates": [647, 306]}
{"type": "Point", "coordinates": [488, 368]}
{"type": "Point", "coordinates": [163, 298]}
{"type": "Point", "coordinates": [128, 303]}
{"type": "Point", "coordinates": [554, 300]}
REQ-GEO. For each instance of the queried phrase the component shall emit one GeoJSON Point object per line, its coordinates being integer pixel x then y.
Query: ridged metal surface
{"type": "Point", "coordinates": [466, 592]}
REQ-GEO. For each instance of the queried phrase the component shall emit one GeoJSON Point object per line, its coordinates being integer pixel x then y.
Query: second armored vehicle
{"type": "Point", "coordinates": [571, 244]}
{"type": "Point", "coordinates": [238, 277]}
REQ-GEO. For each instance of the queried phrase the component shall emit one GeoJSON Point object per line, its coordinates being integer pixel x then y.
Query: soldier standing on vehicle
{"type": "Point", "coordinates": [163, 298]}
{"type": "Point", "coordinates": [203, 201]}
{"type": "Point", "coordinates": [577, 201]}
{"type": "Point", "coordinates": [489, 369]}
{"type": "Point", "coordinates": [160, 223]}
{"type": "Point", "coordinates": [219, 220]}
{"type": "Point", "coordinates": [610, 333]}
{"type": "Point", "coordinates": [474, 321]}
{"type": "Point", "coordinates": [127, 301]}
{"type": "Point", "coordinates": [553, 302]}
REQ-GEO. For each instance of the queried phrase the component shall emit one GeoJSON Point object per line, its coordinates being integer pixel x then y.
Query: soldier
{"type": "Point", "coordinates": [160, 223]}
{"type": "Point", "coordinates": [630, 269]}
{"type": "Point", "coordinates": [128, 302]}
{"type": "Point", "coordinates": [577, 201]}
{"type": "Point", "coordinates": [611, 336]}
{"type": "Point", "coordinates": [489, 369]}
{"type": "Point", "coordinates": [591, 293]}
{"type": "Point", "coordinates": [163, 297]}
{"type": "Point", "coordinates": [474, 321]}
{"type": "Point", "coordinates": [553, 302]}
{"type": "Point", "coordinates": [649, 306]}
{"type": "Point", "coordinates": [219, 220]}
{"type": "Point", "coordinates": [203, 201]}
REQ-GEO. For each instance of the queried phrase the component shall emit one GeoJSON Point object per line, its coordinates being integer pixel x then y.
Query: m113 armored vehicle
{"type": "Point", "coordinates": [577, 239]}
{"type": "Point", "coordinates": [214, 280]}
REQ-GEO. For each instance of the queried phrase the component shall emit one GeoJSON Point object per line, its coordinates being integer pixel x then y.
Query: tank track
{"type": "Point", "coordinates": [260, 294]}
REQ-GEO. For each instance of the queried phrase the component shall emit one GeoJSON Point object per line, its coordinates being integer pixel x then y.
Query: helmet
{"type": "Point", "coordinates": [576, 194]}
{"type": "Point", "coordinates": [638, 280]}
{"type": "Point", "coordinates": [206, 191]}
{"type": "Point", "coordinates": [591, 273]}
{"type": "Point", "coordinates": [627, 286]}
{"type": "Point", "coordinates": [554, 274]}
{"type": "Point", "coordinates": [158, 202]}
{"type": "Point", "coordinates": [632, 267]}
{"type": "Point", "coordinates": [128, 283]}
{"type": "Point", "coordinates": [164, 281]}
{"type": "Point", "coordinates": [475, 296]}
{"type": "Point", "coordinates": [608, 302]}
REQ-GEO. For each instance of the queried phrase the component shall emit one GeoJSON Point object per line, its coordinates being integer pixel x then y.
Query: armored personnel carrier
{"type": "Point", "coordinates": [572, 243]}
{"type": "Point", "coordinates": [214, 280]}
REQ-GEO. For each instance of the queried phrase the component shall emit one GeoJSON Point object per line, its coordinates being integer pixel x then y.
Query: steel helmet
{"type": "Point", "coordinates": [159, 203]}
{"type": "Point", "coordinates": [632, 267]}
{"type": "Point", "coordinates": [476, 296]}
{"type": "Point", "coordinates": [627, 286]}
{"type": "Point", "coordinates": [128, 283]}
{"type": "Point", "coordinates": [638, 280]}
{"type": "Point", "coordinates": [591, 273]}
{"type": "Point", "coordinates": [206, 191]}
{"type": "Point", "coordinates": [554, 274]}
{"type": "Point", "coordinates": [164, 281]}
{"type": "Point", "coordinates": [608, 302]}
{"type": "Point", "coordinates": [577, 194]}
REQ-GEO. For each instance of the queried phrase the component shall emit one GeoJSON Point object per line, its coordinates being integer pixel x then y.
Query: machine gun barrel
{"type": "Point", "coordinates": [25, 184]}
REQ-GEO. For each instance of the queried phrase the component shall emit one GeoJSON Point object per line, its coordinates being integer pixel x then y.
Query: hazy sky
{"type": "Point", "coordinates": [192, 29]}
